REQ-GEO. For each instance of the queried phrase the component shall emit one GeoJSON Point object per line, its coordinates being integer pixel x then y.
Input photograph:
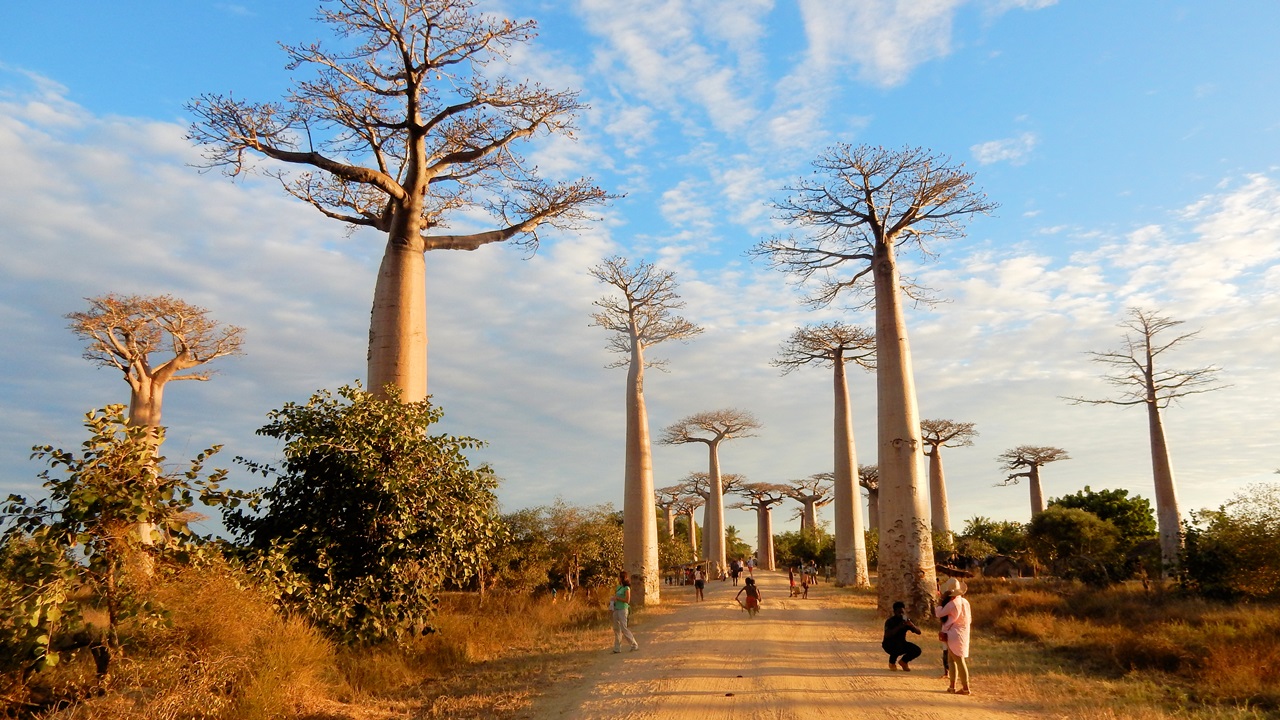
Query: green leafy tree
{"type": "Point", "coordinates": [735, 546]}
{"type": "Point", "coordinates": [793, 548]}
{"type": "Point", "coordinates": [369, 515]}
{"type": "Point", "coordinates": [1132, 516]}
{"type": "Point", "coordinates": [1075, 544]}
{"type": "Point", "coordinates": [1004, 537]}
{"type": "Point", "coordinates": [1234, 552]}
{"type": "Point", "coordinates": [558, 546]}
{"type": "Point", "coordinates": [79, 537]}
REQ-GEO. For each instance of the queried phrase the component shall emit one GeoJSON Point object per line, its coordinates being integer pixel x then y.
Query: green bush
{"type": "Point", "coordinates": [1234, 552]}
{"type": "Point", "coordinates": [369, 515]}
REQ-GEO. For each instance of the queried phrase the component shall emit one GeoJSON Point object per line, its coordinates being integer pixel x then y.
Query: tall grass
{"type": "Point", "coordinates": [1198, 651]}
{"type": "Point", "coordinates": [226, 653]}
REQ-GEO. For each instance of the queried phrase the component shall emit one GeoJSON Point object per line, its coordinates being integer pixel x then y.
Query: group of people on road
{"type": "Point", "coordinates": [952, 608]}
{"type": "Point", "coordinates": [957, 619]}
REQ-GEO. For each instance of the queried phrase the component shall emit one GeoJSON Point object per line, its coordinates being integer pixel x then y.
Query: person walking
{"type": "Point", "coordinates": [901, 651]}
{"type": "Point", "coordinates": [621, 607]}
{"type": "Point", "coordinates": [699, 583]}
{"type": "Point", "coordinates": [956, 616]}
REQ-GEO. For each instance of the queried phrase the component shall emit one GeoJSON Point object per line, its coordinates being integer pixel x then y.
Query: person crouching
{"type": "Point", "coordinates": [901, 651]}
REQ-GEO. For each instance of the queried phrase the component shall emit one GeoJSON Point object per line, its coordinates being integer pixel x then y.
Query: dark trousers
{"type": "Point", "coordinates": [906, 651]}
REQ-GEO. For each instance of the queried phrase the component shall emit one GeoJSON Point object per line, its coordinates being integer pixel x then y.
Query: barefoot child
{"type": "Point", "coordinates": [752, 605]}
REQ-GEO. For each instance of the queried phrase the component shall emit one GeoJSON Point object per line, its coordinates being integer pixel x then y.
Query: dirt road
{"type": "Point", "coordinates": [798, 659]}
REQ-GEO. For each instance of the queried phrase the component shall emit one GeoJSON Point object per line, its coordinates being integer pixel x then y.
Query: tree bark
{"type": "Point", "coordinates": [693, 534]}
{"type": "Point", "coordinates": [1037, 492]}
{"type": "Point", "coordinates": [639, 519]}
{"type": "Point", "coordinates": [765, 554]}
{"type": "Point", "coordinates": [1169, 519]}
{"type": "Point", "coordinates": [715, 512]}
{"type": "Point", "coordinates": [851, 543]}
{"type": "Point", "coordinates": [146, 400]}
{"type": "Point", "coordinates": [939, 515]}
{"type": "Point", "coordinates": [906, 568]}
{"type": "Point", "coordinates": [873, 510]}
{"type": "Point", "coordinates": [398, 322]}
{"type": "Point", "coordinates": [669, 515]}
{"type": "Point", "coordinates": [809, 518]}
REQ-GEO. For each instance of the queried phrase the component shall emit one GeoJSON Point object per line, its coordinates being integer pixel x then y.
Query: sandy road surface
{"type": "Point", "coordinates": [798, 659]}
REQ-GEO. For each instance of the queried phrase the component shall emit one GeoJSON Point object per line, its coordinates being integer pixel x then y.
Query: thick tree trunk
{"type": "Point", "coordinates": [639, 519]}
{"type": "Point", "coordinates": [146, 400]}
{"type": "Point", "coordinates": [715, 513]}
{"type": "Point", "coordinates": [693, 535]}
{"type": "Point", "coordinates": [809, 518]}
{"type": "Point", "coordinates": [1168, 518]}
{"type": "Point", "coordinates": [706, 530]}
{"type": "Point", "coordinates": [1037, 492]}
{"type": "Point", "coordinates": [669, 515]}
{"type": "Point", "coordinates": [939, 515]}
{"type": "Point", "coordinates": [398, 323]}
{"type": "Point", "coordinates": [873, 510]}
{"type": "Point", "coordinates": [765, 554]}
{"type": "Point", "coordinates": [906, 568]}
{"type": "Point", "coordinates": [851, 542]}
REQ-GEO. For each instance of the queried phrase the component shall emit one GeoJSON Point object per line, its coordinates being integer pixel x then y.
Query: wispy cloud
{"type": "Point", "coordinates": [1014, 150]}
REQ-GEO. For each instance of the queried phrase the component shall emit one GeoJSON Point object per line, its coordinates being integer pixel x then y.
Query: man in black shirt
{"type": "Point", "coordinates": [895, 642]}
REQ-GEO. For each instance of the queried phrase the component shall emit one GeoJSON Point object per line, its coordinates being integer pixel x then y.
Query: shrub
{"type": "Point", "coordinates": [369, 515]}
{"type": "Point", "coordinates": [1234, 552]}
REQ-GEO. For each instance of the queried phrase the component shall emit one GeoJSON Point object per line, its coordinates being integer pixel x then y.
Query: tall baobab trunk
{"type": "Point", "coordinates": [809, 516]}
{"type": "Point", "coordinates": [146, 399]}
{"type": "Point", "coordinates": [940, 517]}
{"type": "Point", "coordinates": [693, 534]}
{"type": "Point", "coordinates": [851, 542]}
{"type": "Point", "coordinates": [715, 513]}
{"type": "Point", "coordinates": [764, 554]}
{"type": "Point", "coordinates": [906, 567]}
{"type": "Point", "coordinates": [669, 516]}
{"type": "Point", "coordinates": [1168, 518]}
{"type": "Point", "coordinates": [639, 519]}
{"type": "Point", "coordinates": [398, 322]}
{"type": "Point", "coordinates": [1037, 491]}
{"type": "Point", "coordinates": [873, 510]}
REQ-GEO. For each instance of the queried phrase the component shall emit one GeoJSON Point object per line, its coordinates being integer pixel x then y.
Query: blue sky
{"type": "Point", "coordinates": [1134, 149]}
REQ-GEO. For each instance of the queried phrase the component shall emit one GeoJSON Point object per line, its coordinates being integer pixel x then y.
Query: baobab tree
{"type": "Point", "coordinates": [399, 127]}
{"type": "Point", "coordinates": [642, 317]}
{"type": "Point", "coordinates": [665, 499]}
{"type": "Point", "coordinates": [812, 493]}
{"type": "Point", "coordinates": [687, 505]}
{"type": "Point", "coordinates": [761, 497]}
{"type": "Point", "coordinates": [1141, 382]}
{"type": "Point", "coordinates": [938, 434]}
{"type": "Point", "coordinates": [859, 208]}
{"type": "Point", "coordinates": [869, 478]}
{"type": "Point", "coordinates": [699, 484]}
{"type": "Point", "coordinates": [711, 429]}
{"type": "Point", "coordinates": [832, 344]}
{"type": "Point", "coordinates": [126, 332]}
{"type": "Point", "coordinates": [1031, 457]}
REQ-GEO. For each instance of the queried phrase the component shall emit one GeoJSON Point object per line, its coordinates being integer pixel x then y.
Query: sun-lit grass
{"type": "Point", "coordinates": [1131, 652]}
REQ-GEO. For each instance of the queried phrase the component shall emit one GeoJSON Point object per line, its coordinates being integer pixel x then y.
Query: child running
{"type": "Point", "coordinates": [752, 605]}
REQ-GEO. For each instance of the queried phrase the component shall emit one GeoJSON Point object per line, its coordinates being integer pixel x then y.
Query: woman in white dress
{"type": "Point", "coordinates": [956, 620]}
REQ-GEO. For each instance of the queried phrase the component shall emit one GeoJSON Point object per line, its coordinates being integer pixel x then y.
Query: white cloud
{"type": "Point", "coordinates": [1012, 150]}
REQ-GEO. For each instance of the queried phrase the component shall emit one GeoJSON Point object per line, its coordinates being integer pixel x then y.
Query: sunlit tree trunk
{"type": "Point", "coordinates": [765, 556]}
{"type": "Point", "coordinates": [1168, 517]}
{"type": "Point", "coordinates": [851, 542]}
{"type": "Point", "coordinates": [939, 515]}
{"type": "Point", "coordinates": [639, 519]}
{"type": "Point", "coordinates": [906, 567]}
{"type": "Point", "coordinates": [693, 533]}
{"type": "Point", "coordinates": [398, 322]}
{"type": "Point", "coordinates": [669, 516]}
{"type": "Point", "coordinates": [715, 513]}
{"type": "Point", "coordinates": [1037, 491]}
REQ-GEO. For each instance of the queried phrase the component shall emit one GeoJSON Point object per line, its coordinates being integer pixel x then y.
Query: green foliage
{"type": "Point", "coordinates": [82, 537]}
{"type": "Point", "coordinates": [734, 546]}
{"type": "Point", "coordinates": [873, 548]}
{"type": "Point", "coordinates": [558, 546]}
{"type": "Point", "coordinates": [1135, 520]}
{"type": "Point", "coordinates": [674, 551]}
{"type": "Point", "coordinates": [369, 515]}
{"type": "Point", "coordinates": [1234, 552]}
{"type": "Point", "coordinates": [801, 546]}
{"type": "Point", "coordinates": [1005, 537]}
{"type": "Point", "coordinates": [1076, 544]}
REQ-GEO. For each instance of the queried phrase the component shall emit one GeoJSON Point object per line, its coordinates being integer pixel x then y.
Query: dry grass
{"type": "Point", "coordinates": [1148, 653]}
